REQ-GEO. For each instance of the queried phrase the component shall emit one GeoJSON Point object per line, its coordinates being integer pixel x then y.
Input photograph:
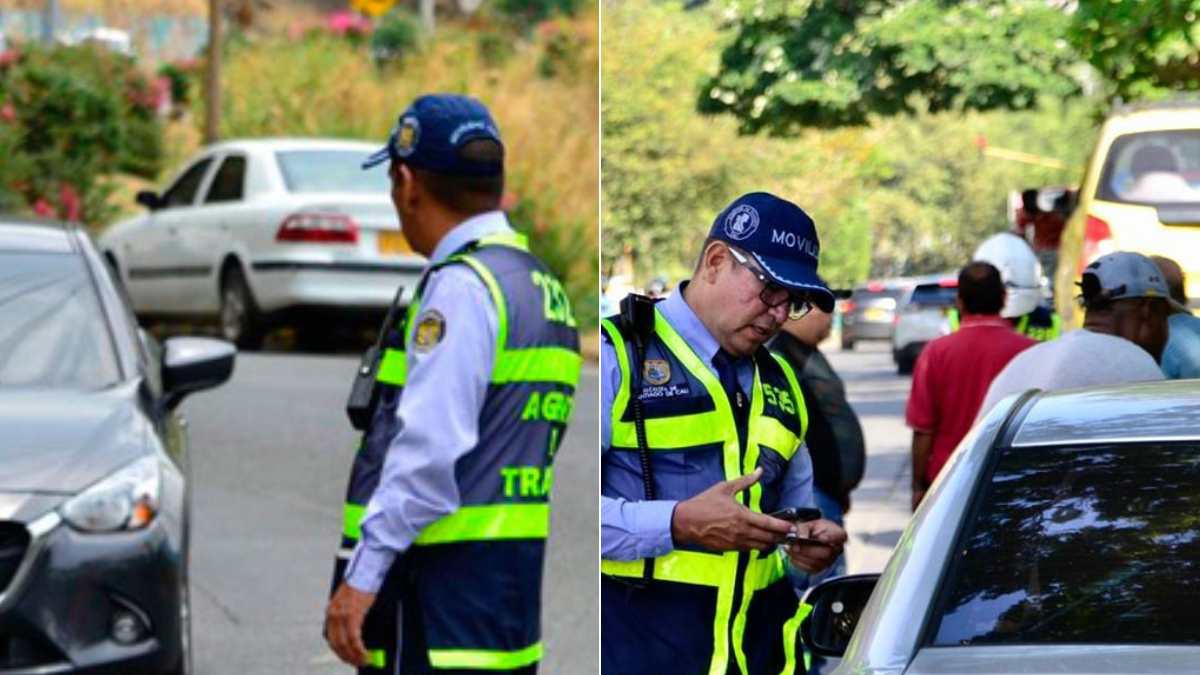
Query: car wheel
{"type": "Point", "coordinates": [239, 317]}
{"type": "Point", "coordinates": [847, 345]}
{"type": "Point", "coordinates": [905, 363]}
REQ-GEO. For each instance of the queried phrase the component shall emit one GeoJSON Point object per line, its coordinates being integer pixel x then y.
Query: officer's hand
{"type": "Point", "coordinates": [344, 621]}
{"type": "Point", "coordinates": [715, 520]}
{"type": "Point", "coordinates": [813, 558]}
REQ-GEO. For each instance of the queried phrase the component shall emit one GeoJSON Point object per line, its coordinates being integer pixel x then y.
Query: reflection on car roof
{"type": "Point", "coordinates": [32, 236]}
{"type": "Point", "coordinates": [1148, 411]}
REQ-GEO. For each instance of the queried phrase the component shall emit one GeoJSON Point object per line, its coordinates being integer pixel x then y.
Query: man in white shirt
{"type": "Point", "coordinates": [1126, 304]}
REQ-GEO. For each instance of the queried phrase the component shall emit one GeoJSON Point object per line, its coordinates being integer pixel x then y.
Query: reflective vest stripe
{"type": "Point", "coordinates": [489, 523]}
{"type": "Point", "coordinates": [556, 365]}
{"type": "Point", "coordinates": [789, 640]}
{"type": "Point", "coordinates": [486, 659]}
{"type": "Point", "coordinates": [470, 523]}
{"type": "Point", "coordinates": [393, 368]}
{"type": "Point", "coordinates": [700, 569]}
{"type": "Point", "coordinates": [621, 400]}
{"type": "Point", "coordinates": [352, 515]}
{"type": "Point", "coordinates": [376, 658]}
{"type": "Point", "coordinates": [497, 297]}
{"type": "Point", "coordinates": [672, 433]}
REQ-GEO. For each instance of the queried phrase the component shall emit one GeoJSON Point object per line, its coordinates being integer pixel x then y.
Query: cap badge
{"type": "Point", "coordinates": [406, 136]}
{"type": "Point", "coordinates": [741, 222]}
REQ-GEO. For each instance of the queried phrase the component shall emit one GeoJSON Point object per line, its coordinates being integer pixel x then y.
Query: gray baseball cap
{"type": "Point", "coordinates": [1126, 274]}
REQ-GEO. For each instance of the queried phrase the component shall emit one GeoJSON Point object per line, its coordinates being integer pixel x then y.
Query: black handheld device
{"type": "Point", "coordinates": [364, 390]}
{"type": "Point", "coordinates": [805, 541]}
{"type": "Point", "coordinates": [797, 514]}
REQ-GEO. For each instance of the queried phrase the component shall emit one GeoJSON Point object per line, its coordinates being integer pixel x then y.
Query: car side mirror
{"type": "Point", "coordinates": [192, 364]}
{"type": "Point", "coordinates": [837, 605]}
{"type": "Point", "coordinates": [149, 199]}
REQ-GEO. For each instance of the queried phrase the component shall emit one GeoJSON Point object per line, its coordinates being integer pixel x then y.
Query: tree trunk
{"type": "Point", "coordinates": [212, 89]}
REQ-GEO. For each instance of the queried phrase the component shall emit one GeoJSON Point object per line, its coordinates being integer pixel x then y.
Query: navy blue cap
{"type": "Point", "coordinates": [432, 131]}
{"type": "Point", "coordinates": [781, 237]}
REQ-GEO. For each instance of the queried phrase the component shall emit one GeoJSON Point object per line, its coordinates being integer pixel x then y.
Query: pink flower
{"type": "Point", "coordinates": [8, 113]}
{"type": "Point", "coordinates": [341, 23]}
{"type": "Point", "coordinates": [72, 205]}
{"type": "Point", "coordinates": [8, 57]}
{"type": "Point", "coordinates": [43, 208]}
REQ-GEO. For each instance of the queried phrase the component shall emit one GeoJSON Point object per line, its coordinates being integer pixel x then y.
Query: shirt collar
{"type": "Point", "coordinates": [688, 325]}
{"type": "Point", "coordinates": [472, 229]}
{"type": "Point", "coordinates": [972, 320]}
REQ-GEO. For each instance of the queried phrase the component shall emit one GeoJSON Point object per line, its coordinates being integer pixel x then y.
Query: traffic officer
{"type": "Point", "coordinates": [447, 509]}
{"type": "Point", "coordinates": [1022, 275]}
{"type": "Point", "coordinates": [700, 440]}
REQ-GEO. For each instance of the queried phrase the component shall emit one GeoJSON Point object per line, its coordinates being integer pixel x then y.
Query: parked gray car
{"type": "Point", "coordinates": [1062, 537]}
{"type": "Point", "coordinates": [870, 311]}
{"type": "Point", "coordinates": [257, 233]}
{"type": "Point", "coordinates": [923, 317]}
{"type": "Point", "coordinates": [93, 466]}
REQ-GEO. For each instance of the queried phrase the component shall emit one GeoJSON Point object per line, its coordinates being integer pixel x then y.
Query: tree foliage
{"type": "Point", "coordinates": [1140, 48]}
{"type": "Point", "coordinates": [904, 195]}
{"type": "Point", "coordinates": [831, 63]}
{"type": "Point", "coordinates": [663, 167]}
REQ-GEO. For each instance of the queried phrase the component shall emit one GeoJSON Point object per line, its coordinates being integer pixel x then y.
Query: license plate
{"type": "Point", "coordinates": [875, 314]}
{"type": "Point", "coordinates": [393, 243]}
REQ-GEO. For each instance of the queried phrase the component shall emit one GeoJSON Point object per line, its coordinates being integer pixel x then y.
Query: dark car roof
{"type": "Point", "coordinates": [22, 234]}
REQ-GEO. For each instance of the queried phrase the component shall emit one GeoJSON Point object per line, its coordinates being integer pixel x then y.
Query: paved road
{"type": "Point", "coordinates": [880, 507]}
{"type": "Point", "coordinates": [271, 451]}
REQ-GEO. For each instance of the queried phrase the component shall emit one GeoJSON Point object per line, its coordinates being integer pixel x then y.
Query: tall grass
{"type": "Point", "coordinates": [322, 86]}
{"type": "Point", "coordinates": [115, 10]}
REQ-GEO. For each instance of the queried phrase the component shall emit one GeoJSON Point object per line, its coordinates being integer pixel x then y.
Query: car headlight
{"type": "Point", "coordinates": [125, 500]}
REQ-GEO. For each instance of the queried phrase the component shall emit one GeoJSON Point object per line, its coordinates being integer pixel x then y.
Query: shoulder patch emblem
{"type": "Point", "coordinates": [656, 372]}
{"type": "Point", "coordinates": [431, 328]}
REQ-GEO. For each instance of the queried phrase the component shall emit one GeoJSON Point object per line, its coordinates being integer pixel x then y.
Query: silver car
{"type": "Point", "coordinates": [922, 318]}
{"type": "Point", "coordinates": [255, 233]}
{"type": "Point", "coordinates": [1062, 537]}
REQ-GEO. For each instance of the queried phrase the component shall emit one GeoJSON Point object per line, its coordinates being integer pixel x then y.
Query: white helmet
{"type": "Point", "coordinates": [1019, 268]}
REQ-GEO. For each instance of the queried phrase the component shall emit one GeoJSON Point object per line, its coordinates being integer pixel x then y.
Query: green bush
{"type": "Point", "coordinates": [71, 116]}
{"type": "Point", "coordinates": [562, 49]}
{"type": "Point", "coordinates": [398, 35]}
{"type": "Point", "coordinates": [532, 12]}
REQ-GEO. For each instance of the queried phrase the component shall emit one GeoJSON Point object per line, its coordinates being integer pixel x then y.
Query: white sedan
{"type": "Point", "coordinates": [1062, 537]}
{"type": "Point", "coordinates": [255, 233]}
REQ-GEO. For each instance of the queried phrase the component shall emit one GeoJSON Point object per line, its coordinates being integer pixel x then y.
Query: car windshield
{"type": "Point", "coordinates": [53, 333]}
{"type": "Point", "coordinates": [1161, 167]}
{"type": "Point", "coordinates": [331, 171]}
{"type": "Point", "coordinates": [933, 295]}
{"type": "Point", "coordinates": [1080, 545]}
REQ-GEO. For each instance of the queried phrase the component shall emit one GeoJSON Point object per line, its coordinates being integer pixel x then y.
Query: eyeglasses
{"type": "Point", "coordinates": [772, 294]}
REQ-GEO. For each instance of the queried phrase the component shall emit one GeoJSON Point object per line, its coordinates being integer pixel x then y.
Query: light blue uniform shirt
{"type": "Point", "coordinates": [1181, 358]}
{"type": "Point", "coordinates": [631, 530]}
{"type": "Point", "coordinates": [438, 412]}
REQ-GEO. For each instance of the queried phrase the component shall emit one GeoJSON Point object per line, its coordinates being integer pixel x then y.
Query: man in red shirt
{"type": "Point", "coordinates": [952, 374]}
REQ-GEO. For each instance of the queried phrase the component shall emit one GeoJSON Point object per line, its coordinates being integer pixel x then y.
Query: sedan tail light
{"type": "Point", "coordinates": [318, 228]}
{"type": "Point", "coordinates": [1097, 241]}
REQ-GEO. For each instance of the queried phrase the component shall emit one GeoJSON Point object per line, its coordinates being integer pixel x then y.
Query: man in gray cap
{"type": "Point", "coordinates": [701, 431]}
{"type": "Point", "coordinates": [1126, 304]}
